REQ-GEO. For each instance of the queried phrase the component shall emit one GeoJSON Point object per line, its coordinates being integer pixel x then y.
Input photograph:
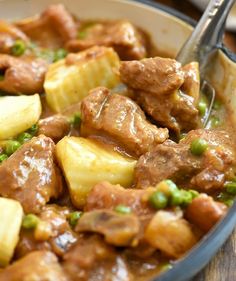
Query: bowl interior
{"type": "Point", "coordinates": [168, 32]}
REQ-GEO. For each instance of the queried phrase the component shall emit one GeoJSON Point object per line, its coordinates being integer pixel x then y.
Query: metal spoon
{"type": "Point", "coordinates": [204, 41]}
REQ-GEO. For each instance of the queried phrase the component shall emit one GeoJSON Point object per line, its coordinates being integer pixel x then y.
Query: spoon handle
{"type": "Point", "coordinates": [207, 34]}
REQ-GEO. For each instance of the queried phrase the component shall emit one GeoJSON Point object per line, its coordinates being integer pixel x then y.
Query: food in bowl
{"type": "Point", "coordinates": [107, 172]}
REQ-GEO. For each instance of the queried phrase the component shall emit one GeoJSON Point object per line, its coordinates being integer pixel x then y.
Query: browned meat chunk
{"type": "Point", "coordinates": [52, 29]}
{"type": "Point", "coordinates": [107, 196]}
{"type": "Point", "coordinates": [204, 212]}
{"type": "Point", "coordinates": [121, 120]}
{"type": "Point", "coordinates": [156, 83]}
{"type": "Point", "coordinates": [175, 161]}
{"type": "Point", "coordinates": [118, 229]}
{"type": "Point", "coordinates": [54, 127]}
{"type": "Point", "coordinates": [24, 76]}
{"type": "Point", "coordinates": [60, 236]}
{"type": "Point", "coordinates": [36, 266]}
{"type": "Point", "coordinates": [126, 40]}
{"type": "Point", "coordinates": [8, 35]}
{"type": "Point", "coordinates": [92, 259]}
{"type": "Point", "coordinates": [30, 175]}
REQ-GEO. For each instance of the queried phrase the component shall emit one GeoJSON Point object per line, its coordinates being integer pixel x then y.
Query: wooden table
{"type": "Point", "coordinates": [223, 265]}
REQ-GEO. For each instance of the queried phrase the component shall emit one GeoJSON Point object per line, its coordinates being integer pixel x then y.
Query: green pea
{"type": "Point", "coordinates": [158, 200]}
{"type": "Point", "coordinates": [24, 137]}
{"type": "Point", "coordinates": [60, 54]}
{"type": "Point", "coordinates": [76, 120]}
{"type": "Point", "coordinates": [182, 136]}
{"type": "Point", "coordinates": [122, 209]}
{"type": "Point", "coordinates": [82, 35]}
{"type": "Point", "coordinates": [186, 197]}
{"type": "Point", "coordinates": [230, 187]}
{"type": "Point", "coordinates": [1, 77]}
{"type": "Point", "coordinates": [198, 146]}
{"type": "Point", "coordinates": [217, 105]}
{"type": "Point", "coordinates": [176, 198]}
{"type": "Point", "coordinates": [33, 130]}
{"type": "Point", "coordinates": [74, 217]}
{"type": "Point", "coordinates": [194, 193]}
{"type": "Point", "coordinates": [3, 157]}
{"type": "Point", "coordinates": [202, 107]}
{"type": "Point", "coordinates": [226, 198]}
{"type": "Point", "coordinates": [18, 48]}
{"type": "Point", "coordinates": [30, 221]}
{"type": "Point", "coordinates": [11, 147]}
{"type": "Point", "coordinates": [173, 187]}
{"type": "Point", "coordinates": [166, 267]}
{"type": "Point", "coordinates": [214, 122]}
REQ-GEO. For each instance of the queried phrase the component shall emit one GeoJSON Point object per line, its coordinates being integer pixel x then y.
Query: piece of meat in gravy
{"type": "Point", "coordinates": [118, 229]}
{"type": "Point", "coordinates": [123, 36]}
{"type": "Point", "coordinates": [59, 238]}
{"type": "Point", "coordinates": [54, 127]}
{"type": "Point", "coordinates": [30, 175]}
{"type": "Point", "coordinates": [92, 259]}
{"type": "Point", "coordinates": [119, 120]}
{"type": "Point", "coordinates": [204, 212]}
{"type": "Point", "coordinates": [8, 35]}
{"type": "Point", "coordinates": [107, 196]}
{"type": "Point", "coordinates": [156, 84]}
{"type": "Point", "coordinates": [170, 160]}
{"type": "Point", "coordinates": [36, 266]}
{"type": "Point", "coordinates": [52, 29]}
{"type": "Point", "coordinates": [22, 75]}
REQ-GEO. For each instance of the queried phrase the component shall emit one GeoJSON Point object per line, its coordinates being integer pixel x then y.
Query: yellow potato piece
{"type": "Point", "coordinates": [17, 114]}
{"type": "Point", "coordinates": [69, 80]}
{"type": "Point", "coordinates": [11, 214]}
{"type": "Point", "coordinates": [86, 163]}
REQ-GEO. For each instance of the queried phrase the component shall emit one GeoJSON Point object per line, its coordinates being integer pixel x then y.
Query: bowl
{"type": "Point", "coordinates": [169, 30]}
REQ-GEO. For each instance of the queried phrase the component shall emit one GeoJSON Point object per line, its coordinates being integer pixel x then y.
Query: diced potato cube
{"type": "Point", "coordinates": [170, 233]}
{"type": "Point", "coordinates": [69, 80]}
{"type": "Point", "coordinates": [86, 163]}
{"type": "Point", "coordinates": [17, 114]}
{"type": "Point", "coordinates": [11, 213]}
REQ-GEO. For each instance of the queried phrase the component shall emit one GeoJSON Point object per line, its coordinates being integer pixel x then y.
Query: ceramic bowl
{"type": "Point", "coordinates": [169, 30]}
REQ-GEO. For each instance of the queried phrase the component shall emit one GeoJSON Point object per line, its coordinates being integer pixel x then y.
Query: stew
{"type": "Point", "coordinates": [106, 170]}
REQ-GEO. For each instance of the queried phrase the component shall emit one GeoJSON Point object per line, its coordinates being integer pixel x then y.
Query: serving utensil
{"type": "Point", "coordinates": [203, 43]}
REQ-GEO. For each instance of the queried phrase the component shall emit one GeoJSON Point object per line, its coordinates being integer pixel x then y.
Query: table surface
{"type": "Point", "coordinates": [223, 265]}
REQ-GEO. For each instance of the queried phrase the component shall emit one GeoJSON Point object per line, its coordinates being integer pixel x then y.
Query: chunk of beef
{"type": "Point", "coordinates": [8, 35]}
{"type": "Point", "coordinates": [36, 266]}
{"type": "Point", "coordinates": [92, 259]}
{"type": "Point", "coordinates": [107, 196]}
{"type": "Point", "coordinates": [170, 233]}
{"type": "Point", "coordinates": [204, 212]}
{"type": "Point", "coordinates": [119, 119]}
{"type": "Point", "coordinates": [52, 29]}
{"type": "Point", "coordinates": [156, 83]}
{"type": "Point", "coordinates": [61, 236]}
{"type": "Point", "coordinates": [175, 161]}
{"type": "Point", "coordinates": [24, 76]}
{"type": "Point", "coordinates": [54, 127]}
{"type": "Point", "coordinates": [118, 229]}
{"type": "Point", "coordinates": [30, 175]}
{"type": "Point", "coordinates": [126, 40]}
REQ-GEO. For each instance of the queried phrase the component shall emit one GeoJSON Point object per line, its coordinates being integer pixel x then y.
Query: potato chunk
{"type": "Point", "coordinates": [18, 114]}
{"type": "Point", "coordinates": [11, 214]}
{"type": "Point", "coordinates": [86, 163]}
{"type": "Point", "coordinates": [68, 81]}
{"type": "Point", "coordinates": [169, 233]}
